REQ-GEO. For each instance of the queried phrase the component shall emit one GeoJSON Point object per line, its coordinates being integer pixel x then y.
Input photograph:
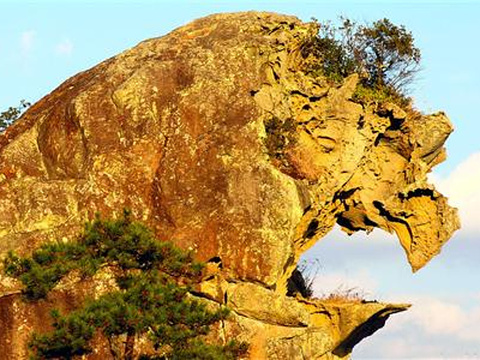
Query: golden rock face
{"type": "Point", "coordinates": [215, 137]}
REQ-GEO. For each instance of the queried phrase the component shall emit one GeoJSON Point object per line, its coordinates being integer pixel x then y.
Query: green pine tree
{"type": "Point", "coordinates": [153, 280]}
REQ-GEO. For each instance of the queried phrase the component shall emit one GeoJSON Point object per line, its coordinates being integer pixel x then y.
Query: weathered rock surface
{"type": "Point", "coordinates": [215, 137]}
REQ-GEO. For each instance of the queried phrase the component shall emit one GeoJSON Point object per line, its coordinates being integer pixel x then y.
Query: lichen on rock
{"type": "Point", "coordinates": [215, 137]}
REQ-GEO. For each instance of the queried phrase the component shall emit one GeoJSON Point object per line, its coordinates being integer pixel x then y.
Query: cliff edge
{"type": "Point", "coordinates": [215, 137]}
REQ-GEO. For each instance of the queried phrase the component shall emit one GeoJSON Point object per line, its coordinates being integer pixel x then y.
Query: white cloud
{"type": "Point", "coordinates": [437, 317]}
{"type": "Point", "coordinates": [441, 316]}
{"type": "Point", "coordinates": [64, 47]}
{"type": "Point", "coordinates": [402, 348]}
{"type": "Point", "coordinates": [462, 187]}
{"type": "Point", "coordinates": [432, 328]}
{"type": "Point", "coordinates": [471, 331]}
{"type": "Point", "coordinates": [27, 39]}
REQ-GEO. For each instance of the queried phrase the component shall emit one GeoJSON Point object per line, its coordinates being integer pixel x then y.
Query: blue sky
{"type": "Point", "coordinates": [42, 43]}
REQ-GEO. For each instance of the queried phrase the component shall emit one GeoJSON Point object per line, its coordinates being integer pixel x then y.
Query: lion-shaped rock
{"type": "Point", "coordinates": [215, 137]}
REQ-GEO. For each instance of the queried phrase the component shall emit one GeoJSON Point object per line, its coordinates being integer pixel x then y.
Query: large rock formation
{"type": "Point", "coordinates": [215, 137]}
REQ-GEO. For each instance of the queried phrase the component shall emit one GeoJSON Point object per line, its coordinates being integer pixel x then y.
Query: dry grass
{"type": "Point", "coordinates": [345, 295]}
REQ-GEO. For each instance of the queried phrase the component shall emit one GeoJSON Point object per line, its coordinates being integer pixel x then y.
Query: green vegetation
{"type": "Point", "coordinates": [382, 53]}
{"type": "Point", "coordinates": [152, 296]}
{"type": "Point", "coordinates": [11, 115]}
{"type": "Point", "coordinates": [373, 95]}
{"type": "Point", "coordinates": [280, 134]}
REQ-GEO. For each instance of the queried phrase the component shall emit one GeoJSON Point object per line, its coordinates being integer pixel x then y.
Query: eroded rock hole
{"type": "Point", "coordinates": [315, 98]}
{"type": "Point", "coordinates": [378, 139]}
{"type": "Point", "coordinates": [355, 221]}
{"type": "Point", "coordinates": [311, 229]}
{"type": "Point", "coordinates": [395, 124]}
{"type": "Point", "coordinates": [361, 122]}
{"type": "Point", "coordinates": [216, 260]}
{"type": "Point", "coordinates": [417, 193]}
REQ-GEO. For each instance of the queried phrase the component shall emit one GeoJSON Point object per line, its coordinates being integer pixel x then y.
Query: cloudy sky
{"type": "Point", "coordinates": [42, 43]}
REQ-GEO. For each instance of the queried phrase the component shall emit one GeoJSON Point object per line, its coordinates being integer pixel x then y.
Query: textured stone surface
{"type": "Point", "coordinates": [214, 136]}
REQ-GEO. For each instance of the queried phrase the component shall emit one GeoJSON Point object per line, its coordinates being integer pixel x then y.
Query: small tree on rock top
{"type": "Point", "coordinates": [388, 53]}
{"type": "Point", "coordinates": [382, 53]}
{"type": "Point", "coordinates": [12, 114]}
